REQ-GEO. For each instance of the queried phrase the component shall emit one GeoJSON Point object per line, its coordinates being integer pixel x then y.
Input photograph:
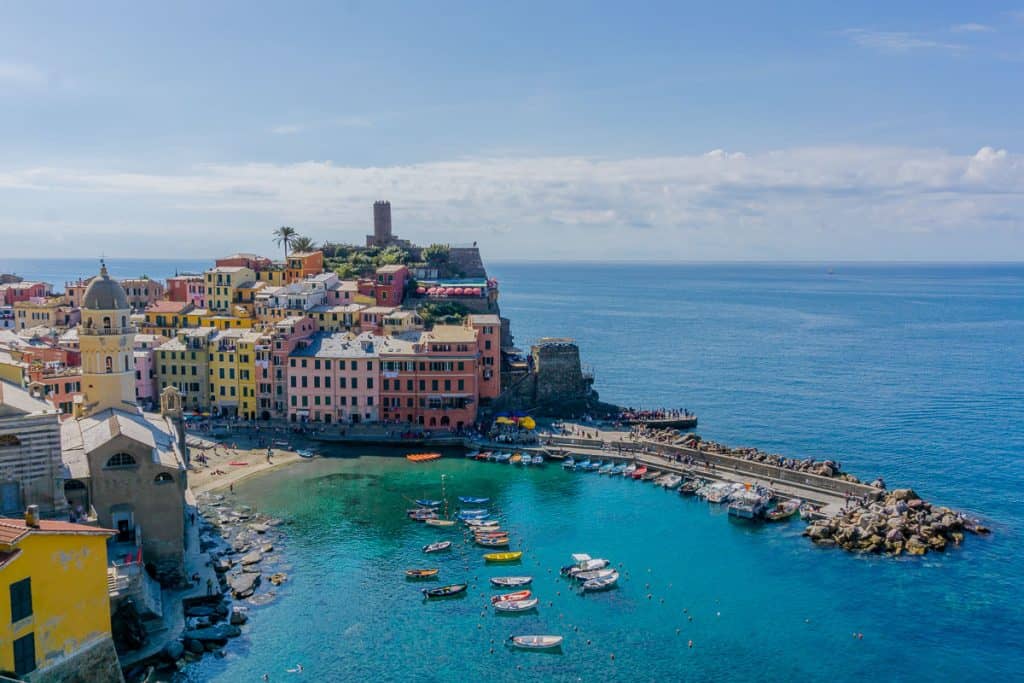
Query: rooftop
{"type": "Point", "coordinates": [450, 333]}
{"type": "Point", "coordinates": [168, 307]}
{"type": "Point", "coordinates": [484, 319]}
{"type": "Point", "coordinates": [340, 345]}
{"type": "Point", "coordinates": [13, 530]}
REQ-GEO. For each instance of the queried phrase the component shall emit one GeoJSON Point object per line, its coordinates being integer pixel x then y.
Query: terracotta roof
{"type": "Point", "coordinates": [168, 306]}
{"type": "Point", "coordinates": [13, 530]}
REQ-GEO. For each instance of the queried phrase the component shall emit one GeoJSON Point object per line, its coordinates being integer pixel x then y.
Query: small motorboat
{"type": "Point", "coordinates": [485, 455]}
{"type": "Point", "coordinates": [638, 472]}
{"type": "Point", "coordinates": [671, 481]}
{"type": "Point", "coordinates": [475, 512]}
{"type": "Point", "coordinates": [445, 591]}
{"type": "Point", "coordinates": [783, 510]}
{"type": "Point", "coordinates": [494, 542]}
{"type": "Point", "coordinates": [473, 500]}
{"type": "Point", "coordinates": [650, 475]}
{"type": "Point", "coordinates": [427, 503]}
{"type": "Point", "coordinates": [586, 565]}
{"type": "Point", "coordinates": [421, 573]}
{"type": "Point", "coordinates": [511, 581]}
{"type": "Point", "coordinates": [629, 470]}
{"type": "Point", "coordinates": [517, 605]}
{"type": "Point", "coordinates": [439, 522]}
{"type": "Point", "coordinates": [481, 523]}
{"type": "Point", "coordinates": [422, 515]}
{"type": "Point", "coordinates": [437, 547]}
{"type": "Point", "coordinates": [719, 492]}
{"type": "Point", "coordinates": [618, 469]}
{"type": "Point", "coordinates": [606, 469]}
{"type": "Point", "coordinates": [503, 457]}
{"type": "Point", "coordinates": [569, 463]}
{"type": "Point", "coordinates": [510, 597]}
{"type": "Point", "coordinates": [595, 466]}
{"type": "Point", "coordinates": [537, 460]}
{"type": "Point", "coordinates": [305, 453]}
{"type": "Point", "coordinates": [749, 503]}
{"type": "Point", "coordinates": [472, 455]}
{"type": "Point", "coordinates": [690, 487]}
{"type": "Point", "coordinates": [601, 584]}
{"type": "Point", "coordinates": [488, 532]}
{"type": "Point", "coordinates": [536, 642]}
{"type": "Point", "coordinates": [809, 511]}
{"type": "Point", "coordinates": [515, 459]}
{"type": "Point", "coordinates": [582, 466]}
{"type": "Point", "coordinates": [593, 574]}
{"type": "Point", "coordinates": [422, 457]}
{"type": "Point", "coordinates": [514, 556]}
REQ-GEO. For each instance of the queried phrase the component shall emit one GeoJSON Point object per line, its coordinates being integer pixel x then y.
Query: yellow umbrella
{"type": "Point", "coordinates": [527, 423]}
{"type": "Point", "coordinates": [505, 421]}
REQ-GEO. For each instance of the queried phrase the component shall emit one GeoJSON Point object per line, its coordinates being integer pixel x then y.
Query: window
{"type": "Point", "coordinates": [109, 365]}
{"type": "Point", "coordinates": [121, 460]}
{"type": "Point", "coordinates": [21, 600]}
{"type": "Point", "coordinates": [433, 385]}
{"type": "Point", "coordinates": [163, 478]}
{"type": "Point", "coordinates": [354, 365]}
{"type": "Point", "coordinates": [25, 654]}
{"type": "Point", "coordinates": [462, 385]}
{"type": "Point", "coordinates": [355, 382]}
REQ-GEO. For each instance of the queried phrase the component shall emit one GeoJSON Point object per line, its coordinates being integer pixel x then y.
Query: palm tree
{"type": "Point", "coordinates": [285, 236]}
{"type": "Point", "coordinates": [300, 243]}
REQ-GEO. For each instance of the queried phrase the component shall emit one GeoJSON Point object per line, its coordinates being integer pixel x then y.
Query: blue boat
{"type": "Point", "coordinates": [595, 466]}
{"type": "Point", "coordinates": [474, 500]}
{"type": "Point", "coordinates": [503, 457]}
{"type": "Point", "coordinates": [606, 469]}
{"type": "Point", "coordinates": [582, 466]}
{"type": "Point", "coordinates": [569, 463]}
{"type": "Point", "coordinates": [463, 517]}
{"type": "Point", "coordinates": [423, 502]}
{"type": "Point", "coordinates": [473, 513]}
{"type": "Point", "coordinates": [618, 469]}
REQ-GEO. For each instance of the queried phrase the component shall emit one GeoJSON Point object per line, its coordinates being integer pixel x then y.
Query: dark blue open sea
{"type": "Point", "coordinates": [912, 372]}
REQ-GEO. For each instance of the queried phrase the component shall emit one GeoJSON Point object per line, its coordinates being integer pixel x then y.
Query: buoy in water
{"type": "Point", "coordinates": [690, 644]}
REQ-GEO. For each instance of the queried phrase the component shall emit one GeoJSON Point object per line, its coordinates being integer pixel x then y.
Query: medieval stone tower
{"type": "Point", "coordinates": [106, 339]}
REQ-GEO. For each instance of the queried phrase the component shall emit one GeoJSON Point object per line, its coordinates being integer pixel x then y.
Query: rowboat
{"type": "Point", "coordinates": [437, 547]}
{"type": "Point", "coordinates": [601, 584]}
{"type": "Point", "coordinates": [421, 573]}
{"type": "Point", "coordinates": [473, 500]}
{"type": "Point", "coordinates": [638, 472]}
{"type": "Point", "coordinates": [516, 605]}
{"type": "Point", "coordinates": [304, 453]}
{"type": "Point", "coordinates": [495, 542]}
{"type": "Point", "coordinates": [422, 515]}
{"type": "Point", "coordinates": [593, 574]}
{"type": "Point", "coordinates": [536, 642]}
{"type": "Point", "coordinates": [671, 481]}
{"type": "Point", "coordinates": [481, 523]}
{"type": "Point", "coordinates": [440, 522]}
{"type": "Point", "coordinates": [488, 532]}
{"type": "Point", "coordinates": [511, 581]}
{"type": "Point", "coordinates": [422, 457]}
{"type": "Point", "coordinates": [514, 460]}
{"type": "Point", "coordinates": [783, 510]}
{"type": "Point", "coordinates": [427, 503]}
{"type": "Point", "coordinates": [595, 466]}
{"type": "Point", "coordinates": [444, 591]}
{"type": "Point", "coordinates": [650, 475]}
{"type": "Point", "coordinates": [475, 512]}
{"type": "Point", "coordinates": [606, 469]}
{"type": "Point", "coordinates": [568, 463]}
{"type": "Point", "coordinates": [508, 597]}
{"type": "Point", "coordinates": [582, 466]}
{"type": "Point", "coordinates": [538, 460]}
{"type": "Point", "coordinates": [504, 557]}
{"type": "Point", "coordinates": [630, 469]}
{"type": "Point", "coordinates": [468, 516]}
{"type": "Point", "coordinates": [618, 469]}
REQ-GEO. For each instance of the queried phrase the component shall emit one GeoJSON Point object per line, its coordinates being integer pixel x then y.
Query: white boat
{"type": "Point", "coordinates": [516, 605]}
{"type": "Point", "coordinates": [473, 522]}
{"type": "Point", "coordinates": [719, 492]}
{"type": "Point", "coordinates": [536, 642]}
{"type": "Point", "coordinates": [568, 463]}
{"type": "Point", "coordinates": [437, 547]}
{"type": "Point", "coordinates": [593, 574]}
{"type": "Point", "coordinates": [511, 581]}
{"type": "Point", "coordinates": [304, 453]}
{"type": "Point", "coordinates": [748, 504]}
{"type": "Point", "coordinates": [671, 481]}
{"type": "Point", "coordinates": [601, 584]}
{"type": "Point", "coordinates": [538, 460]}
{"type": "Point", "coordinates": [630, 469]}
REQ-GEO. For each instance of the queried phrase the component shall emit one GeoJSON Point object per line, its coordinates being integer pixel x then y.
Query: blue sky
{"type": "Point", "coordinates": [604, 131]}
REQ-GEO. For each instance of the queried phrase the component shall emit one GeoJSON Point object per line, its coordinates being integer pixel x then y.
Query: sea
{"type": "Point", "coordinates": [912, 372]}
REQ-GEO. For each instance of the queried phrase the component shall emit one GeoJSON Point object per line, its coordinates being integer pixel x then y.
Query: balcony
{"type": "Point", "coordinates": [109, 331]}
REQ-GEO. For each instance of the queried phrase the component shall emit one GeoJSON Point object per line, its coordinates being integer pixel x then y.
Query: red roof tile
{"type": "Point", "coordinates": [12, 530]}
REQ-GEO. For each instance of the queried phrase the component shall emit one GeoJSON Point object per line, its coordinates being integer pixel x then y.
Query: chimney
{"type": "Point", "coordinates": [32, 516]}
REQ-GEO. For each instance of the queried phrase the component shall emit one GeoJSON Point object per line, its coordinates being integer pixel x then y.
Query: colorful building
{"type": "Point", "coordinates": [333, 378]}
{"type": "Point", "coordinates": [187, 288]}
{"type": "Point", "coordinates": [55, 623]}
{"type": "Point", "coordinates": [222, 283]}
{"type": "Point", "coordinates": [167, 317]}
{"type": "Point", "coordinates": [144, 352]}
{"type": "Point", "coordinates": [141, 292]}
{"type": "Point", "coordinates": [303, 264]}
{"type": "Point", "coordinates": [488, 328]}
{"type": "Point", "coordinates": [233, 373]}
{"type": "Point", "coordinates": [272, 354]}
{"type": "Point", "coordinates": [184, 363]}
{"type": "Point", "coordinates": [48, 312]}
{"type": "Point", "coordinates": [13, 292]}
{"type": "Point", "coordinates": [389, 288]}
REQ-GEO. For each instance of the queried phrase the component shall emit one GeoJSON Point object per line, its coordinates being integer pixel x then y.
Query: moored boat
{"type": "Point", "coordinates": [517, 605]}
{"type": "Point", "coordinates": [718, 492]}
{"type": "Point", "coordinates": [504, 557]}
{"type": "Point", "coordinates": [618, 469]}
{"type": "Point", "coordinates": [748, 504]}
{"type": "Point", "coordinates": [427, 503]}
{"type": "Point", "coordinates": [514, 460]}
{"type": "Point", "coordinates": [304, 453]}
{"type": "Point", "coordinates": [473, 500]}
{"type": "Point", "coordinates": [445, 591]}
{"type": "Point", "coordinates": [511, 581]}
{"type": "Point", "coordinates": [503, 457]}
{"type": "Point", "coordinates": [421, 573]}
{"type": "Point", "coordinates": [593, 574]}
{"type": "Point", "coordinates": [601, 584]}
{"type": "Point", "coordinates": [494, 542]}
{"type": "Point", "coordinates": [629, 470]}
{"type": "Point", "coordinates": [536, 642]}
{"type": "Point", "coordinates": [477, 523]}
{"type": "Point", "coordinates": [690, 487]}
{"type": "Point", "coordinates": [650, 475]}
{"type": "Point", "coordinates": [671, 481]}
{"type": "Point", "coordinates": [422, 457]}
{"type": "Point", "coordinates": [783, 510]}
{"type": "Point", "coordinates": [472, 454]}
{"type": "Point", "coordinates": [569, 463]}
{"type": "Point", "coordinates": [437, 547]}
{"type": "Point", "coordinates": [509, 597]}
{"type": "Point", "coordinates": [439, 522]}
{"type": "Point", "coordinates": [582, 466]}
{"type": "Point", "coordinates": [537, 460]}
{"type": "Point", "coordinates": [638, 472]}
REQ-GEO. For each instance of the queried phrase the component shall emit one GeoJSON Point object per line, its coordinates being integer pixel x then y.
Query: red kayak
{"type": "Point", "coordinates": [509, 597]}
{"type": "Point", "coordinates": [639, 471]}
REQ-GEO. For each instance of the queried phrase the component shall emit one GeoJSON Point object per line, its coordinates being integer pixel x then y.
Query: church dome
{"type": "Point", "coordinates": [104, 294]}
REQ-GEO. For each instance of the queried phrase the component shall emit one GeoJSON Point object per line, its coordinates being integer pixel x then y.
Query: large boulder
{"type": "Point", "coordinates": [174, 650]}
{"type": "Point", "coordinates": [903, 494]}
{"type": "Point", "coordinates": [213, 633]}
{"type": "Point", "coordinates": [243, 585]}
{"type": "Point", "coordinates": [252, 558]}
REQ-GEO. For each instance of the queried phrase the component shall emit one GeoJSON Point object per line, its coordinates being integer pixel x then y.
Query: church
{"type": "Point", "coordinates": [126, 468]}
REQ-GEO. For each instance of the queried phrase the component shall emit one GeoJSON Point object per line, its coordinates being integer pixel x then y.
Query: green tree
{"type": "Point", "coordinates": [302, 243]}
{"type": "Point", "coordinates": [436, 254]}
{"type": "Point", "coordinates": [392, 256]}
{"type": "Point", "coordinates": [285, 236]}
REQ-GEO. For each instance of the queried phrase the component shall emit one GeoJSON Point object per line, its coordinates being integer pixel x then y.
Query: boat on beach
{"type": "Point", "coordinates": [305, 453]}
{"type": "Point", "coordinates": [510, 597]}
{"type": "Point", "coordinates": [517, 605]}
{"type": "Point", "coordinates": [536, 642]}
{"type": "Point", "coordinates": [445, 591]}
{"type": "Point", "coordinates": [421, 573]}
{"type": "Point", "coordinates": [783, 510]}
{"type": "Point", "coordinates": [437, 547]}
{"type": "Point", "coordinates": [511, 581]}
{"type": "Point", "coordinates": [504, 557]}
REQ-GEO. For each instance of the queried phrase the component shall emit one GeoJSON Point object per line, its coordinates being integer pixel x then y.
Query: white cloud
{"type": "Point", "coordinates": [835, 202]}
{"type": "Point", "coordinates": [897, 41]}
{"type": "Point", "coordinates": [972, 28]}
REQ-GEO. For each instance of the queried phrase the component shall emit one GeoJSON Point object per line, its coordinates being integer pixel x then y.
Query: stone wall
{"type": "Point", "coordinates": [467, 260]}
{"type": "Point", "coordinates": [558, 370]}
{"type": "Point", "coordinates": [95, 663]}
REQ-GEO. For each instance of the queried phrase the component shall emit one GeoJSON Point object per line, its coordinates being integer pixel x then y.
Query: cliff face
{"type": "Point", "coordinates": [467, 261]}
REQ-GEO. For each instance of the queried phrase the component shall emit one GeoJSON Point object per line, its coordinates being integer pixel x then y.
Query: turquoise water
{"type": "Point", "coordinates": [913, 372]}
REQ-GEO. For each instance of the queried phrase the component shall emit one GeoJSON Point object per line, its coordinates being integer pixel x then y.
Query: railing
{"type": "Point", "coordinates": [109, 331]}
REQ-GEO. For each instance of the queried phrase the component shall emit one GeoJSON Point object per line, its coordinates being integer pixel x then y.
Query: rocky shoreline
{"type": "Point", "coordinates": [898, 521]}
{"type": "Point", "coordinates": [245, 548]}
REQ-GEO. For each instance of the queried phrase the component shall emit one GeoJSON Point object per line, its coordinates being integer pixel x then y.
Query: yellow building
{"type": "Point", "coordinates": [54, 608]}
{"type": "Point", "coordinates": [222, 285]}
{"type": "Point", "coordinates": [184, 363]}
{"type": "Point", "coordinates": [233, 373]}
{"type": "Point", "coordinates": [43, 312]}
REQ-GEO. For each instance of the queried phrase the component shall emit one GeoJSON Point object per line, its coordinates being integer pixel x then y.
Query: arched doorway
{"type": "Point", "coordinates": [77, 495]}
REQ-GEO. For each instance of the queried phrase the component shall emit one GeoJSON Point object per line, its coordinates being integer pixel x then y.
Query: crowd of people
{"type": "Point", "coordinates": [633, 414]}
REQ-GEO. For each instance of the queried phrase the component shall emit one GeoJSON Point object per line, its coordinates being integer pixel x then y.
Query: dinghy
{"type": "Point", "coordinates": [504, 557]}
{"type": "Point", "coordinates": [568, 463]}
{"type": "Point", "coordinates": [427, 503]}
{"type": "Point", "coordinates": [593, 574]}
{"type": "Point", "coordinates": [536, 642]}
{"type": "Point", "coordinates": [481, 523]}
{"type": "Point", "coordinates": [445, 591]}
{"type": "Point", "coordinates": [606, 469]}
{"type": "Point", "coordinates": [440, 522]}
{"type": "Point", "coordinates": [493, 542]}
{"type": "Point", "coordinates": [629, 470]}
{"type": "Point", "coordinates": [509, 597]}
{"type": "Point", "coordinates": [511, 581]}
{"type": "Point", "coordinates": [638, 471]}
{"type": "Point", "coordinates": [421, 573]}
{"type": "Point", "coordinates": [538, 460]}
{"type": "Point", "coordinates": [516, 605]}
{"type": "Point", "coordinates": [473, 500]}
{"type": "Point", "coordinates": [783, 510]}
{"type": "Point", "coordinates": [582, 466]}
{"type": "Point", "coordinates": [437, 547]}
{"type": "Point", "coordinates": [601, 584]}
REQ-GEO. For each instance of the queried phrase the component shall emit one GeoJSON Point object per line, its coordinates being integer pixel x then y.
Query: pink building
{"type": "Point", "coordinates": [334, 378]}
{"type": "Point", "coordinates": [390, 285]}
{"type": "Point", "coordinates": [146, 391]}
{"type": "Point", "coordinates": [250, 261]}
{"type": "Point", "coordinates": [141, 292]}
{"type": "Point", "coordinates": [342, 293]}
{"type": "Point", "coordinates": [187, 289]}
{"type": "Point", "coordinates": [272, 363]}
{"type": "Point", "coordinates": [13, 292]}
{"type": "Point", "coordinates": [488, 339]}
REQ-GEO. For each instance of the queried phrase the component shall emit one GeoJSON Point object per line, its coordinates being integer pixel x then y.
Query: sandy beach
{"type": "Point", "coordinates": [223, 466]}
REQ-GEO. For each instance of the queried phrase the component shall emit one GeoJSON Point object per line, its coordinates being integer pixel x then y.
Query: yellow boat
{"type": "Point", "coordinates": [504, 557]}
{"type": "Point", "coordinates": [421, 573]}
{"type": "Point", "coordinates": [441, 522]}
{"type": "Point", "coordinates": [514, 460]}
